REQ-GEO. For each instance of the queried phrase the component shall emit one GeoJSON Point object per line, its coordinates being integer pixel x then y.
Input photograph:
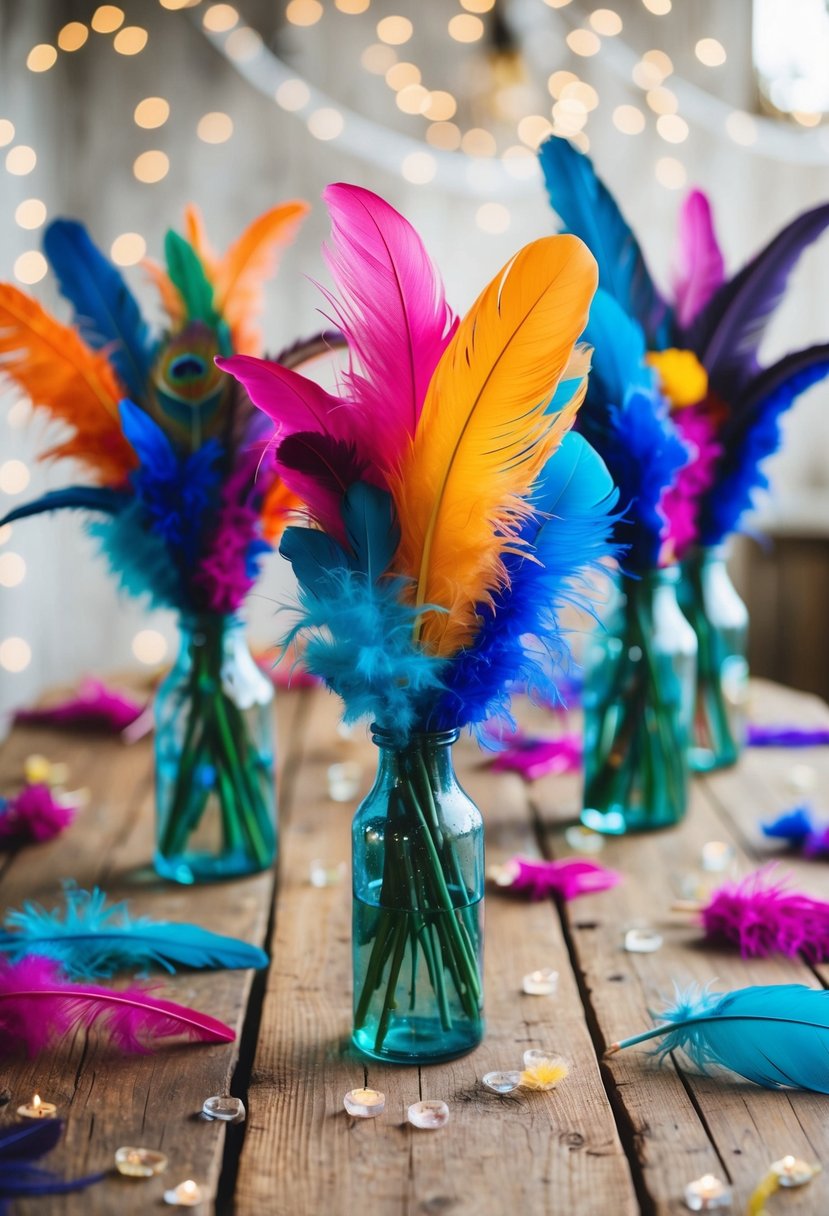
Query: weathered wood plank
{"type": "Point", "coordinates": [548, 1153]}
{"type": "Point", "coordinates": [151, 1099]}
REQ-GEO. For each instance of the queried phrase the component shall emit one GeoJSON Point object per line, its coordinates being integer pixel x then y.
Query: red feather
{"type": "Point", "coordinates": [37, 1008]}
{"type": "Point", "coordinates": [763, 917]}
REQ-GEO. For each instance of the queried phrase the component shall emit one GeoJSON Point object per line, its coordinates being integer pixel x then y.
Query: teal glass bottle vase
{"type": "Point", "coordinates": [720, 620]}
{"type": "Point", "coordinates": [639, 681]}
{"type": "Point", "coordinates": [418, 885]}
{"type": "Point", "coordinates": [214, 757]}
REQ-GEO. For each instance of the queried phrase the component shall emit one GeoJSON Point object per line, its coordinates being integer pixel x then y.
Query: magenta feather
{"type": "Point", "coordinates": [392, 309]}
{"type": "Point", "coordinates": [700, 270]}
{"type": "Point", "coordinates": [564, 879]}
{"type": "Point", "coordinates": [94, 707]}
{"type": "Point", "coordinates": [292, 401]}
{"type": "Point", "coordinates": [33, 816]}
{"type": "Point", "coordinates": [320, 469]}
{"type": "Point", "coordinates": [38, 1008]}
{"type": "Point", "coordinates": [762, 916]}
{"type": "Point", "coordinates": [532, 758]}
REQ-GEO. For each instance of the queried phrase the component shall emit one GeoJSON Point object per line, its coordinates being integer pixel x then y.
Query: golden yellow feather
{"type": "Point", "coordinates": [484, 433]}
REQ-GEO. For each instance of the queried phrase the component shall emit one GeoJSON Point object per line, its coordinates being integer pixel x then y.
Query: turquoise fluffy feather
{"type": "Point", "coordinates": [775, 1035]}
{"type": "Point", "coordinates": [90, 937]}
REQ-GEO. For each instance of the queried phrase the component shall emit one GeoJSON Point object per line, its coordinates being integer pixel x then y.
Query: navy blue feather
{"type": "Point", "coordinates": [20, 1145]}
{"type": "Point", "coordinates": [588, 209]}
{"type": "Point", "coordinates": [106, 312]}
{"type": "Point", "coordinates": [90, 938]}
{"type": "Point", "coordinates": [79, 498]}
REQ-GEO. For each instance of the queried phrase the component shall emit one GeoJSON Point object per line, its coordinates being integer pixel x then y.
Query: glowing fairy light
{"type": "Point", "coordinates": [151, 167]}
{"type": "Point", "coordinates": [583, 42]}
{"type": "Point", "coordinates": [215, 128]}
{"type": "Point", "coordinates": [660, 61]}
{"type": "Point", "coordinates": [303, 12]}
{"type": "Point", "coordinates": [394, 30]}
{"type": "Point", "coordinates": [20, 160]}
{"type": "Point", "coordinates": [378, 58]}
{"type": "Point", "coordinates": [628, 120]}
{"type": "Point", "coordinates": [41, 58]}
{"type": "Point", "coordinates": [6, 132]}
{"type": "Point", "coordinates": [710, 52]}
{"type": "Point", "coordinates": [220, 18]}
{"type": "Point", "coordinates": [442, 106]}
{"type": "Point", "coordinates": [152, 112]}
{"type": "Point", "coordinates": [30, 268]}
{"type": "Point", "coordinates": [568, 117]}
{"type": "Point", "coordinates": [670, 173]}
{"type": "Point", "coordinates": [128, 249]}
{"type": "Point", "coordinates": [107, 18]}
{"type": "Point", "coordinates": [662, 100]}
{"type": "Point", "coordinates": [243, 44]}
{"type": "Point", "coordinates": [672, 128]}
{"type": "Point", "coordinates": [131, 40]}
{"type": "Point", "coordinates": [17, 416]}
{"type": "Point", "coordinates": [413, 99]}
{"type": "Point", "coordinates": [493, 218]}
{"type": "Point", "coordinates": [533, 129]}
{"type": "Point", "coordinates": [559, 81]}
{"type": "Point", "coordinates": [478, 6]}
{"type": "Point", "coordinates": [149, 647]}
{"type": "Point", "coordinates": [606, 22]}
{"type": "Point", "coordinates": [12, 569]}
{"type": "Point", "coordinates": [659, 8]}
{"type": "Point", "coordinates": [31, 213]}
{"type": "Point", "coordinates": [14, 477]}
{"type": "Point", "coordinates": [15, 654]}
{"type": "Point", "coordinates": [583, 93]}
{"type": "Point", "coordinates": [73, 36]}
{"type": "Point", "coordinates": [400, 75]}
{"type": "Point", "coordinates": [293, 94]}
{"type": "Point", "coordinates": [478, 142]}
{"type": "Point", "coordinates": [466, 28]}
{"type": "Point", "coordinates": [352, 7]}
{"type": "Point", "coordinates": [6, 531]}
{"type": "Point", "coordinates": [444, 135]}
{"type": "Point", "coordinates": [519, 162]}
{"type": "Point", "coordinates": [325, 123]}
{"type": "Point", "coordinates": [419, 168]}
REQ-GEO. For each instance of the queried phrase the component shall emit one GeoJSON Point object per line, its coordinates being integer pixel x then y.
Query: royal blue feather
{"type": "Point", "coordinates": [588, 209]}
{"type": "Point", "coordinates": [520, 640]}
{"type": "Point", "coordinates": [78, 498]}
{"type": "Point", "coordinates": [20, 1145]}
{"type": "Point", "coordinates": [89, 937]}
{"type": "Point", "coordinates": [794, 826]}
{"type": "Point", "coordinates": [106, 312]}
{"type": "Point", "coordinates": [775, 1035]}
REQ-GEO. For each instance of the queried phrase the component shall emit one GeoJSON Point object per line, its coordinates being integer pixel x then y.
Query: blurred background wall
{"type": "Point", "coordinates": [249, 105]}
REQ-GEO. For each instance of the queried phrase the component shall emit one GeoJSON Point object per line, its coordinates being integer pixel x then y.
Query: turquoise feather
{"type": "Point", "coordinates": [92, 938]}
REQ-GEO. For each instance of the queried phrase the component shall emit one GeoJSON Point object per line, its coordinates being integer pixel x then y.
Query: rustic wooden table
{"type": "Point", "coordinates": [619, 1137]}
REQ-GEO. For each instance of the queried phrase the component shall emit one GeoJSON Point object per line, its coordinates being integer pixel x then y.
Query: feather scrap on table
{"type": "Point", "coordinates": [21, 1145]}
{"type": "Point", "coordinates": [533, 758]}
{"type": "Point", "coordinates": [564, 879]}
{"type": "Point", "coordinates": [94, 707]}
{"type": "Point", "coordinates": [38, 1008]}
{"type": "Point", "coordinates": [762, 915]}
{"type": "Point", "coordinates": [801, 831]}
{"type": "Point", "coordinates": [785, 735]}
{"type": "Point", "coordinates": [88, 937]}
{"type": "Point", "coordinates": [776, 1035]}
{"type": "Point", "coordinates": [33, 816]}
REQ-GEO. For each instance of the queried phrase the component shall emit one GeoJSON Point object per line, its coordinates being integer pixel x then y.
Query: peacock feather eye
{"type": "Point", "coordinates": [190, 390]}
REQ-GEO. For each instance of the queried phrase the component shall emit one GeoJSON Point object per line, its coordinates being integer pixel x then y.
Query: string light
{"type": "Point", "coordinates": [41, 58]}
{"type": "Point", "coordinates": [413, 99]}
{"type": "Point", "coordinates": [151, 167]}
{"type": "Point", "coordinates": [400, 75]}
{"type": "Point", "coordinates": [219, 18]}
{"type": "Point", "coordinates": [30, 267]}
{"type": "Point", "coordinates": [660, 61]}
{"type": "Point", "coordinates": [12, 570]}
{"type": "Point", "coordinates": [493, 218]}
{"type": "Point", "coordinates": [149, 647]}
{"type": "Point", "coordinates": [152, 112]}
{"type": "Point", "coordinates": [583, 42]}
{"type": "Point", "coordinates": [519, 162]}
{"type": "Point", "coordinates": [293, 94]}
{"type": "Point", "coordinates": [559, 81]}
{"type": "Point", "coordinates": [31, 213]}
{"type": "Point", "coordinates": [394, 30]}
{"type": "Point", "coordinates": [478, 6]}
{"type": "Point", "coordinates": [6, 132]}
{"type": "Point", "coordinates": [20, 160]}
{"type": "Point", "coordinates": [672, 128]}
{"type": "Point", "coordinates": [534, 129]}
{"type": "Point", "coordinates": [378, 58]}
{"type": "Point", "coordinates": [569, 116]}
{"type": "Point", "coordinates": [107, 18]}
{"type": "Point", "coordinates": [131, 40]}
{"type": "Point", "coordinates": [14, 477]}
{"type": "Point", "coordinates": [466, 28]}
{"type": "Point", "coordinates": [659, 8]}
{"type": "Point", "coordinates": [175, 5]}
{"type": "Point", "coordinates": [807, 118]}
{"type": "Point", "coordinates": [325, 123]}
{"type": "Point", "coordinates": [303, 12]}
{"type": "Point", "coordinates": [73, 35]}
{"type": "Point", "coordinates": [419, 168]}
{"type": "Point", "coordinates": [352, 7]}
{"type": "Point", "coordinates": [478, 142]}
{"type": "Point", "coordinates": [444, 135]}
{"type": "Point", "coordinates": [5, 534]}
{"type": "Point", "coordinates": [628, 120]}
{"type": "Point", "coordinates": [556, 3]}
{"type": "Point", "coordinates": [583, 93]}
{"type": "Point", "coordinates": [662, 100]}
{"type": "Point", "coordinates": [441, 106]}
{"type": "Point", "coordinates": [215, 128]}
{"type": "Point", "coordinates": [243, 44]}
{"type": "Point", "coordinates": [15, 654]}
{"type": "Point", "coordinates": [670, 173]}
{"type": "Point", "coordinates": [710, 52]}
{"type": "Point", "coordinates": [606, 22]}
{"type": "Point", "coordinates": [128, 249]}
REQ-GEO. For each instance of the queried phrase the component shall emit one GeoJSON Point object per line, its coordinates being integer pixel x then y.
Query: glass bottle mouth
{"type": "Point", "coordinates": [427, 738]}
{"type": "Point", "coordinates": [661, 576]}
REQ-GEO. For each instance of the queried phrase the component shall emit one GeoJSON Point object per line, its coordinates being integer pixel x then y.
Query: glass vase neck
{"type": "Point", "coordinates": [388, 740]}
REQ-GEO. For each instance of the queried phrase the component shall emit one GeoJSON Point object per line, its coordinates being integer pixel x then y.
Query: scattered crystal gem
{"type": "Point", "coordinates": [582, 840]}
{"type": "Point", "coordinates": [707, 1194]}
{"type": "Point", "coordinates": [717, 856]}
{"type": "Point", "coordinates": [802, 777]}
{"type": "Point", "coordinates": [185, 1195]}
{"type": "Point", "coordinates": [543, 982]}
{"type": "Point", "coordinates": [791, 1171]}
{"type": "Point", "coordinates": [344, 780]}
{"type": "Point", "coordinates": [429, 1114]}
{"type": "Point", "coordinates": [139, 1162]}
{"type": "Point", "coordinates": [320, 874]}
{"type": "Point", "coordinates": [642, 941]}
{"type": "Point", "coordinates": [224, 1108]}
{"type": "Point", "coordinates": [501, 1082]}
{"type": "Point", "coordinates": [364, 1103]}
{"type": "Point", "coordinates": [503, 875]}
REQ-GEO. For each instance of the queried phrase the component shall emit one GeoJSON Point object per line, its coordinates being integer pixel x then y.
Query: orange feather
{"type": "Point", "coordinates": [61, 375]}
{"type": "Point", "coordinates": [279, 506]}
{"type": "Point", "coordinates": [484, 434]}
{"type": "Point", "coordinates": [196, 233]}
{"type": "Point", "coordinates": [169, 294]}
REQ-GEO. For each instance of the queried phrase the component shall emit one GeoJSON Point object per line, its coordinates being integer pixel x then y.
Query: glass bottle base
{"type": "Point", "coordinates": [190, 868]}
{"type": "Point", "coordinates": [705, 760]}
{"type": "Point", "coordinates": [417, 1041]}
{"type": "Point", "coordinates": [621, 823]}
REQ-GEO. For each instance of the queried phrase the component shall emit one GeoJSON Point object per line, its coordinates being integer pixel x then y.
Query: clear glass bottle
{"type": "Point", "coordinates": [214, 757]}
{"type": "Point", "coordinates": [639, 680]}
{"type": "Point", "coordinates": [418, 885]}
{"type": "Point", "coordinates": [720, 620]}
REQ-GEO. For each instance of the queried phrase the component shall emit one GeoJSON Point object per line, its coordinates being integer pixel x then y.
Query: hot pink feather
{"type": "Point", "coordinates": [762, 916]}
{"type": "Point", "coordinates": [94, 707]}
{"type": "Point", "coordinates": [700, 269]}
{"type": "Point", "coordinates": [566, 879]}
{"type": "Point", "coordinates": [37, 1008]}
{"type": "Point", "coordinates": [292, 401]}
{"type": "Point", "coordinates": [680, 501]}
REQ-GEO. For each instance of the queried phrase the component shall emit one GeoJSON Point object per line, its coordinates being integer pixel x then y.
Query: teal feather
{"type": "Point", "coordinates": [371, 528]}
{"type": "Point", "coordinates": [774, 1035]}
{"type": "Point", "coordinates": [79, 498]}
{"type": "Point", "coordinates": [187, 275]}
{"type": "Point", "coordinates": [90, 937]}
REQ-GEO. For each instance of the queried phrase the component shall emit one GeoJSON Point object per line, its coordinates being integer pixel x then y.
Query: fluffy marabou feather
{"type": "Point", "coordinates": [21, 1144]}
{"type": "Point", "coordinates": [588, 209]}
{"type": "Point", "coordinates": [93, 707]}
{"type": "Point", "coordinates": [519, 632]}
{"type": "Point", "coordinates": [189, 279]}
{"type": "Point", "coordinates": [739, 473]}
{"type": "Point", "coordinates": [138, 558]}
{"type": "Point", "coordinates": [78, 498]}
{"type": "Point", "coordinates": [565, 879]}
{"type": "Point", "coordinates": [33, 816]}
{"type": "Point", "coordinates": [320, 470]}
{"type": "Point", "coordinates": [794, 826]}
{"type": "Point", "coordinates": [391, 308]}
{"type": "Point", "coordinates": [774, 1035]}
{"type": "Point", "coordinates": [484, 434]}
{"type": "Point", "coordinates": [37, 1009]}
{"type": "Point", "coordinates": [728, 331]}
{"type": "Point", "coordinates": [761, 917]}
{"type": "Point", "coordinates": [106, 313]}
{"type": "Point", "coordinates": [700, 269]}
{"type": "Point", "coordinates": [533, 758]}
{"type": "Point", "coordinates": [88, 937]}
{"type": "Point", "coordinates": [61, 375]}
{"type": "Point", "coordinates": [239, 274]}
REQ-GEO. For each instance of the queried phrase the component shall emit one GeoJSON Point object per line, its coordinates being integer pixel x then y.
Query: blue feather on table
{"type": "Point", "coordinates": [90, 937]}
{"type": "Point", "coordinates": [21, 1144]}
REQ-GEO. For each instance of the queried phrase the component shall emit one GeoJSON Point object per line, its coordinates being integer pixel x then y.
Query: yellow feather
{"type": "Point", "coordinates": [484, 434]}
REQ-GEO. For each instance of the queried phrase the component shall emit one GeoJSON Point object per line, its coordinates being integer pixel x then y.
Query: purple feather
{"type": "Point", "coordinates": [763, 917]}
{"type": "Point", "coordinates": [700, 270]}
{"type": "Point", "coordinates": [320, 469]}
{"type": "Point", "coordinates": [807, 366]}
{"type": "Point", "coordinates": [785, 735]}
{"type": "Point", "coordinates": [23, 1143]}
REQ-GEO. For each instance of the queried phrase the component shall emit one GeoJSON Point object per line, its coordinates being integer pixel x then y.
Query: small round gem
{"type": "Point", "coordinates": [364, 1103]}
{"type": "Point", "coordinates": [717, 856]}
{"type": "Point", "coordinates": [540, 983]}
{"type": "Point", "coordinates": [139, 1162]}
{"type": "Point", "coordinates": [707, 1194]}
{"type": "Point", "coordinates": [501, 1082]}
{"type": "Point", "coordinates": [642, 941]}
{"type": "Point", "coordinates": [429, 1114]}
{"type": "Point", "coordinates": [224, 1108]}
{"type": "Point", "coordinates": [791, 1171]}
{"type": "Point", "coordinates": [582, 840]}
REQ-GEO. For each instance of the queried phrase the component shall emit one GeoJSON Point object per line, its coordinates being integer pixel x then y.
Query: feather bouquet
{"type": "Point", "coordinates": [170, 449]}
{"type": "Point", "coordinates": [726, 406]}
{"type": "Point", "coordinates": [451, 512]}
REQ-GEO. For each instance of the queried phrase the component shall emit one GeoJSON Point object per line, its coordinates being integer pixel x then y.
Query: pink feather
{"type": "Point", "coordinates": [94, 707]}
{"type": "Point", "coordinates": [320, 471]}
{"type": "Point", "coordinates": [533, 758]}
{"type": "Point", "coordinates": [763, 917]}
{"type": "Point", "coordinates": [293, 402]}
{"type": "Point", "coordinates": [700, 269]}
{"type": "Point", "coordinates": [566, 879]}
{"type": "Point", "coordinates": [33, 816]}
{"type": "Point", "coordinates": [392, 309]}
{"type": "Point", "coordinates": [38, 1008]}
{"type": "Point", "coordinates": [680, 501]}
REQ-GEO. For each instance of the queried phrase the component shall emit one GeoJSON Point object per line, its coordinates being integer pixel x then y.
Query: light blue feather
{"type": "Point", "coordinates": [774, 1035]}
{"type": "Point", "coordinates": [106, 312]}
{"type": "Point", "coordinates": [78, 498]}
{"type": "Point", "coordinates": [618, 341]}
{"type": "Point", "coordinates": [89, 937]}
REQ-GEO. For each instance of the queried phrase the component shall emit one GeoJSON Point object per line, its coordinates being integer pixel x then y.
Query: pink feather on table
{"type": "Point", "coordinates": [567, 879]}
{"type": "Point", "coordinates": [533, 758]}
{"type": "Point", "coordinates": [94, 707]}
{"type": "Point", "coordinates": [762, 916]}
{"type": "Point", "coordinates": [700, 269]}
{"type": "Point", "coordinates": [33, 816]}
{"type": "Point", "coordinates": [392, 309]}
{"type": "Point", "coordinates": [37, 1008]}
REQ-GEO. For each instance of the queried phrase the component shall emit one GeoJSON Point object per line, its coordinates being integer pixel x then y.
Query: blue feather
{"type": "Point", "coordinates": [520, 639]}
{"type": "Point", "coordinates": [105, 309]}
{"type": "Point", "coordinates": [588, 209]}
{"type": "Point", "coordinates": [794, 826]}
{"type": "Point", "coordinates": [79, 498]}
{"type": "Point", "coordinates": [26, 1141]}
{"type": "Point", "coordinates": [618, 342]}
{"type": "Point", "coordinates": [91, 938]}
{"type": "Point", "coordinates": [371, 528]}
{"type": "Point", "coordinates": [774, 1035]}
{"type": "Point", "coordinates": [22, 1144]}
{"type": "Point", "coordinates": [138, 558]}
